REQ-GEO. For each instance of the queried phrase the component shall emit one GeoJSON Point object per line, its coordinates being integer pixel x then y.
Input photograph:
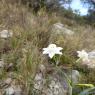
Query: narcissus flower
{"type": "Point", "coordinates": [51, 50]}
{"type": "Point", "coordinates": [83, 55]}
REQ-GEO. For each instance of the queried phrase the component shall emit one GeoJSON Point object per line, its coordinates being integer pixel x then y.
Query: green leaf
{"type": "Point", "coordinates": [85, 85]}
{"type": "Point", "coordinates": [87, 91]}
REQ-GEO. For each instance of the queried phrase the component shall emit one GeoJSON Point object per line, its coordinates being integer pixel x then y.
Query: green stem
{"type": "Point", "coordinates": [78, 60]}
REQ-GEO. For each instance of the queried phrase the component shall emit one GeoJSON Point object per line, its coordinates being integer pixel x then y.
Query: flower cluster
{"type": "Point", "coordinates": [52, 50]}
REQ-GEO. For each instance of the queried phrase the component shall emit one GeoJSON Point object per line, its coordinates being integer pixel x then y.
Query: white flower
{"type": "Point", "coordinates": [5, 34]}
{"type": "Point", "coordinates": [51, 50]}
{"type": "Point", "coordinates": [83, 55]}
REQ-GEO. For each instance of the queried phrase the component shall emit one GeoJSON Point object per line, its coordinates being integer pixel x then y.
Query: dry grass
{"type": "Point", "coordinates": [31, 34]}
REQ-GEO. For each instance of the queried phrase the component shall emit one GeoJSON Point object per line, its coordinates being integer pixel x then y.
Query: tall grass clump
{"type": "Point", "coordinates": [31, 33]}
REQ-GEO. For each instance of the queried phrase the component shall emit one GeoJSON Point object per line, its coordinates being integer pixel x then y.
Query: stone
{"type": "Point", "coordinates": [9, 91]}
{"type": "Point", "coordinates": [6, 34]}
{"type": "Point", "coordinates": [75, 76]}
{"type": "Point", "coordinates": [88, 65]}
{"type": "Point", "coordinates": [42, 68]}
{"type": "Point", "coordinates": [13, 90]}
{"type": "Point", "coordinates": [18, 90]}
{"type": "Point", "coordinates": [10, 67]}
{"type": "Point", "coordinates": [59, 25]}
{"type": "Point", "coordinates": [59, 28]}
{"type": "Point", "coordinates": [53, 84]}
{"type": "Point", "coordinates": [38, 81]}
{"type": "Point", "coordinates": [2, 63]}
{"type": "Point", "coordinates": [5, 83]}
{"type": "Point", "coordinates": [8, 81]}
{"type": "Point", "coordinates": [91, 63]}
{"type": "Point", "coordinates": [55, 88]}
{"type": "Point", "coordinates": [91, 54]}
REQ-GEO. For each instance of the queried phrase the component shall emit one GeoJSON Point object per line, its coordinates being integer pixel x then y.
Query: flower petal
{"type": "Point", "coordinates": [52, 46]}
{"type": "Point", "coordinates": [45, 52]}
{"type": "Point", "coordinates": [44, 48]}
{"type": "Point", "coordinates": [51, 55]}
{"type": "Point", "coordinates": [60, 53]}
{"type": "Point", "coordinates": [59, 48]}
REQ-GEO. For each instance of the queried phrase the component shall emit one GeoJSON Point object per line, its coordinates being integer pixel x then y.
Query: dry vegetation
{"type": "Point", "coordinates": [31, 34]}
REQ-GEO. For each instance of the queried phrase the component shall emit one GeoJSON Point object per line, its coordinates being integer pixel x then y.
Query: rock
{"type": "Point", "coordinates": [88, 65]}
{"type": "Point", "coordinates": [38, 81]}
{"type": "Point", "coordinates": [91, 63]}
{"type": "Point", "coordinates": [53, 84]}
{"type": "Point", "coordinates": [91, 54]}
{"type": "Point", "coordinates": [10, 67]}
{"type": "Point", "coordinates": [55, 88]}
{"type": "Point", "coordinates": [38, 77]}
{"type": "Point", "coordinates": [8, 81]}
{"type": "Point", "coordinates": [13, 90]}
{"type": "Point", "coordinates": [9, 91]}
{"type": "Point", "coordinates": [2, 63]}
{"type": "Point", "coordinates": [5, 83]}
{"type": "Point", "coordinates": [59, 25]}
{"type": "Point", "coordinates": [75, 76]}
{"type": "Point", "coordinates": [18, 90]}
{"type": "Point", "coordinates": [6, 34]}
{"type": "Point", "coordinates": [42, 68]}
{"type": "Point", "coordinates": [59, 28]}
